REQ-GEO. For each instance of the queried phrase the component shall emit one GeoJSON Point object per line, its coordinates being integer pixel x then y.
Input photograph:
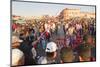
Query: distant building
{"type": "Point", "coordinates": [71, 13]}
{"type": "Point", "coordinates": [87, 14]}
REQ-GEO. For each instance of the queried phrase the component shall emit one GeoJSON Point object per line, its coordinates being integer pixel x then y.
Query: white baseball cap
{"type": "Point", "coordinates": [51, 47]}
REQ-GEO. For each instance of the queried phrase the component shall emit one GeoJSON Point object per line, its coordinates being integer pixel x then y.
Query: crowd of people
{"type": "Point", "coordinates": [54, 42]}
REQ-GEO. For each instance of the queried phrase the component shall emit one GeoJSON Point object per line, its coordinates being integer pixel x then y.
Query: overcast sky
{"type": "Point", "coordinates": [38, 9]}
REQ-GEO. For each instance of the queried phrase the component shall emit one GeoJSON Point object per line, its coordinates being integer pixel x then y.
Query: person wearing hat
{"type": "Point", "coordinates": [90, 40]}
{"type": "Point", "coordinates": [51, 54]}
{"type": "Point", "coordinates": [84, 52]}
{"type": "Point", "coordinates": [67, 55]}
{"type": "Point", "coordinates": [17, 55]}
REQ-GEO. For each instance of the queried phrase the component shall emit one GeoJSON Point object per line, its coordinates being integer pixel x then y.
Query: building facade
{"type": "Point", "coordinates": [71, 13]}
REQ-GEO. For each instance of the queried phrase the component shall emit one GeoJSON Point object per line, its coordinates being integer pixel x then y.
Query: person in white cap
{"type": "Point", "coordinates": [51, 54]}
{"type": "Point", "coordinates": [51, 47]}
{"type": "Point", "coordinates": [17, 55]}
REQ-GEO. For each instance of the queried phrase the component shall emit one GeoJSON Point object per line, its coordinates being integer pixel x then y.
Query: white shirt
{"type": "Point", "coordinates": [47, 27]}
{"type": "Point", "coordinates": [66, 26]}
{"type": "Point", "coordinates": [16, 56]}
{"type": "Point", "coordinates": [34, 53]}
{"type": "Point", "coordinates": [42, 60]}
{"type": "Point", "coordinates": [53, 26]}
{"type": "Point", "coordinates": [71, 30]}
{"type": "Point", "coordinates": [78, 26]}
